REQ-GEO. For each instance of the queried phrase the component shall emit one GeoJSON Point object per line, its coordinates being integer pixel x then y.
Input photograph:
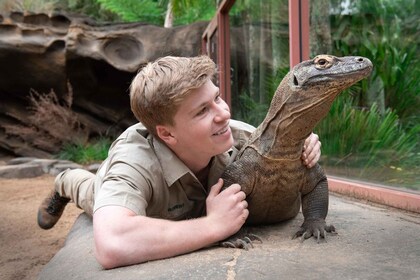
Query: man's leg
{"type": "Point", "coordinates": [71, 185]}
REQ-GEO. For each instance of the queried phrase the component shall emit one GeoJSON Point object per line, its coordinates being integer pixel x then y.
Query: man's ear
{"type": "Point", "coordinates": [164, 133]}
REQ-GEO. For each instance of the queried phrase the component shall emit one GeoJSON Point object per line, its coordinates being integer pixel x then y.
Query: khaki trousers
{"type": "Point", "coordinates": [78, 185]}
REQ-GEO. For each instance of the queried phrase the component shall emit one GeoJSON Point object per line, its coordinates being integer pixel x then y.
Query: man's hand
{"type": "Point", "coordinates": [227, 209]}
{"type": "Point", "coordinates": [311, 150]}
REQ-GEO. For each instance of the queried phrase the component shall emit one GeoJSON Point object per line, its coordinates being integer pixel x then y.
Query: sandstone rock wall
{"type": "Point", "coordinates": [49, 52]}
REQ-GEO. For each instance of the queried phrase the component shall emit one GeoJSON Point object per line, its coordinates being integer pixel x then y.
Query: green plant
{"type": "Point", "coordinates": [86, 153]}
{"type": "Point", "coordinates": [373, 132]}
{"type": "Point", "coordinates": [189, 11]}
{"type": "Point", "coordinates": [386, 32]}
{"type": "Point", "coordinates": [50, 122]}
{"type": "Point", "coordinates": [370, 143]}
{"type": "Point", "coordinates": [36, 6]}
{"type": "Point", "coordinates": [348, 130]}
{"type": "Point", "coordinates": [91, 8]}
{"type": "Point", "coordinates": [252, 109]}
{"type": "Point", "coordinates": [154, 11]}
{"type": "Point", "coordinates": [136, 10]}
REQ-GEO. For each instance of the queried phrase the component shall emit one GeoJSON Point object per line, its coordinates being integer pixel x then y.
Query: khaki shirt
{"type": "Point", "coordinates": [145, 176]}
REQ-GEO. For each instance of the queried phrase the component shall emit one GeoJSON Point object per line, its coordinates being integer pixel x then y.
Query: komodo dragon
{"type": "Point", "coordinates": [269, 166]}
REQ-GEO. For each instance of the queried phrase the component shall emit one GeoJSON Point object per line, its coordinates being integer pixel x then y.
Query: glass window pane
{"type": "Point", "coordinates": [213, 52]}
{"type": "Point", "coordinates": [259, 32]}
{"type": "Point", "coordinates": [373, 130]}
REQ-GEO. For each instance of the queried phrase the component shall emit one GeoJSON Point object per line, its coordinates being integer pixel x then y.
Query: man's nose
{"type": "Point", "coordinates": [223, 112]}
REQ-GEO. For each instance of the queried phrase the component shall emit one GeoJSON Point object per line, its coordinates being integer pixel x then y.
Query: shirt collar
{"type": "Point", "coordinates": [173, 168]}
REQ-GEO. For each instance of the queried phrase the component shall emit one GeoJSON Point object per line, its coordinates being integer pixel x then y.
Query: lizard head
{"type": "Point", "coordinates": [330, 72]}
{"type": "Point", "coordinates": [305, 95]}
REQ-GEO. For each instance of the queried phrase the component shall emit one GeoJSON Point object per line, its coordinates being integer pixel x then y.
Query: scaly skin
{"type": "Point", "coordinates": [269, 166]}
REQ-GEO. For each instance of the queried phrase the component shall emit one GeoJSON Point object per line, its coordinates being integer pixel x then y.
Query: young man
{"type": "Point", "coordinates": [158, 194]}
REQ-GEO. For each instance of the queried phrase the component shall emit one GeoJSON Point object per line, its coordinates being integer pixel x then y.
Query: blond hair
{"type": "Point", "coordinates": [159, 88]}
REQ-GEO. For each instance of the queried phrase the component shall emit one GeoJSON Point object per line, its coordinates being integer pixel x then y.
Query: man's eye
{"type": "Point", "coordinates": [202, 111]}
{"type": "Point", "coordinates": [217, 98]}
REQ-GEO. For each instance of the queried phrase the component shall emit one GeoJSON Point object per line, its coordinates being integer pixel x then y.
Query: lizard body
{"type": "Point", "coordinates": [269, 166]}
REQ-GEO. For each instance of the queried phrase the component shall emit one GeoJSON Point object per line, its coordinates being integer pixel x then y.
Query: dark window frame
{"type": "Point", "coordinates": [219, 49]}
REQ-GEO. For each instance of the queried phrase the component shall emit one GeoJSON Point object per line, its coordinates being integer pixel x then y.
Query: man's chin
{"type": "Point", "coordinates": [226, 145]}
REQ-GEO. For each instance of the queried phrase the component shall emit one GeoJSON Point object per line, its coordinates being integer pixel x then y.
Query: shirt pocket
{"type": "Point", "coordinates": [179, 207]}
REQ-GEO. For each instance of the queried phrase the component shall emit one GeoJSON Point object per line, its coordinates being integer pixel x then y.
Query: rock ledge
{"type": "Point", "coordinates": [30, 167]}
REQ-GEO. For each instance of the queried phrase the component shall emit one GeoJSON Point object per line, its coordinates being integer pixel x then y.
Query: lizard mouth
{"type": "Point", "coordinates": [353, 76]}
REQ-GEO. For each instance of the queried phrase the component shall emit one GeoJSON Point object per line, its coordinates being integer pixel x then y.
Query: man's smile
{"type": "Point", "coordinates": [222, 131]}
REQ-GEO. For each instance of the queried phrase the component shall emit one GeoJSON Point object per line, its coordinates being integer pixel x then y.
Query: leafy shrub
{"type": "Point", "coordinates": [363, 143]}
{"type": "Point", "coordinates": [85, 153]}
{"type": "Point", "coordinates": [348, 130]}
{"type": "Point", "coordinates": [50, 122]}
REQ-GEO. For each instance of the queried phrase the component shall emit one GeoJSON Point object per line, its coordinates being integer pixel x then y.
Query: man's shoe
{"type": "Point", "coordinates": [51, 209]}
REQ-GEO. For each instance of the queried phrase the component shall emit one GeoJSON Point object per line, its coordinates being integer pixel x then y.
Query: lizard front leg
{"type": "Point", "coordinates": [315, 209]}
{"type": "Point", "coordinates": [244, 175]}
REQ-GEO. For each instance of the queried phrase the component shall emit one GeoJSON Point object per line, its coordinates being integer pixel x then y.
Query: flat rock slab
{"type": "Point", "coordinates": [372, 243]}
{"type": "Point", "coordinates": [30, 167]}
{"type": "Point", "coordinates": [21, 171]}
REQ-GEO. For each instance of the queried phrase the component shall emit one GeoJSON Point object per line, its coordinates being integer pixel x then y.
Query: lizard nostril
{"type": "Point", "coordinates": [360, 59]}
{"type": "Point", "coordinates": [295, 81]}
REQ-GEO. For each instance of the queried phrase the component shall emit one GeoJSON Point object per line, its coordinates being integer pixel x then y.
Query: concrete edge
{"type": "Point", "coordinates": [399, 199]}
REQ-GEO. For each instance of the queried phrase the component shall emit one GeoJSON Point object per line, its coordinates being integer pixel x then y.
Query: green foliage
{"type": "Point", "coordinates": [387, 34]}
{"type": "Point", "coordinates": [136, 10]}
{"type": "Point", "coordinates": [249, 110]}
{"type": "Point", "coordinates": [154, 11]}
{"type": "Point", "coordinates": [189, 11]}
{"type": "Point", "coordinates": [374, 131]}
{"type": "Point", "coordinates": [351, 131]}
{"type": "Point", "coordinates": [253, 109]}
{"type": "Point", "coordinates": [86, 153]}
{"type": "Point", "coordinates": [149, 11]}
{"type": "Point", "coordinates": [255, 11]}
{"type": "Point", "coordinates": [36, 6]}
{"type": "Point", "coordinates": [92, 8]}
{"type": "Point", "coordinates": [369, 144]}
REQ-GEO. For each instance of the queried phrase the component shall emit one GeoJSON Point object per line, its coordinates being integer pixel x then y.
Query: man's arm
{"type": "Point", "coordinates": [124, 238]}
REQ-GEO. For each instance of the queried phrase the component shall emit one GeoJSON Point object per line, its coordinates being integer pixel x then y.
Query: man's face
{"type": "Point", "coordinates": [201, 124]}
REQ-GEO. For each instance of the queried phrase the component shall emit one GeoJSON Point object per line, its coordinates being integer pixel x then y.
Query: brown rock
{"type": "Point", "coordinates": [45, 53]}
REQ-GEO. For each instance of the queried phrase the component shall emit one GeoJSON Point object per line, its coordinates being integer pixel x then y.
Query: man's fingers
{"type": "Point", "coordinates": [243, 195]}
{"type": "Point", "coordinates": [312, 150]}
{"type": "Point", "coordinates": [232, 189]}
{"type": "Point", "coordinates": [315, 154]}
{"type": "Point", "coordinates": [245, 204]}
{"type": "Point", "coordinates": [310, 142]}
{"type": "Point", "coordinates": [215, 189]}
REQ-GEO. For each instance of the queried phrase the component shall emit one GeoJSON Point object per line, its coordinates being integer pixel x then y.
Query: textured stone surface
{"type": "Point", "coordinates": [46, 52]}
{"type": "Point", "coordinates": [29, 167]}
{"type": "Point", "coordinates": [27, 170]}
{"type": "Point", "coordinates": [372, 243]}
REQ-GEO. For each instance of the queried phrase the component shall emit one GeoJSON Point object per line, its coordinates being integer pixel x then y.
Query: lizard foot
{"type": "Point", "coordinates": [241, 239]}
{"type": "Point", "coordinates": [316, 228]}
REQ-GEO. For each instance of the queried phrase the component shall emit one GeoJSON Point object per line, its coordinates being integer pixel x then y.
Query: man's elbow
{"type": "Point", "coordinates": [111, 253]}
{"type": "Point", "coordinates": [107, 255]}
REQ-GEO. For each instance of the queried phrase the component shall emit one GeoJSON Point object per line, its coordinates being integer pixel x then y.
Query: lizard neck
{"type": "Point", "coordinates": [288, 123]}
{"type": "Point", "coordinates": [302, 99]}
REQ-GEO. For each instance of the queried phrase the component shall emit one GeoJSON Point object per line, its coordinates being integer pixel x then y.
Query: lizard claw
{"type": "Point", "coordinates": [318, 235]}
{"type": "Point", "coordinates": [238, 243]}
{"type": "Point", "coordinates": [316, 228]}
{"type": "Point", "coordinates": [241, 240]}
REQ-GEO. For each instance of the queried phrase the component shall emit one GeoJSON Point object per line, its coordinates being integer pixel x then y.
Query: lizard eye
{"type": "Point", "coordinates": [322, 62]}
